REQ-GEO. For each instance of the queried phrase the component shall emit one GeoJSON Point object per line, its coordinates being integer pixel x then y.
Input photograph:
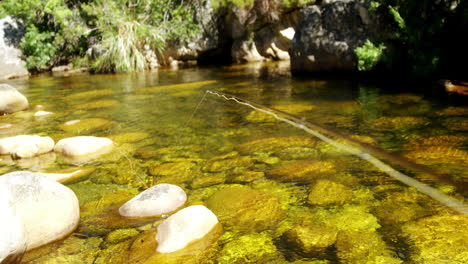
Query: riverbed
{"type": "Point", "coordinates": [282, 194]}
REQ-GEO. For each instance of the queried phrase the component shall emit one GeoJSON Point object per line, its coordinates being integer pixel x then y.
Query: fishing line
{"type": "Point", "coordinates": [449, 201]}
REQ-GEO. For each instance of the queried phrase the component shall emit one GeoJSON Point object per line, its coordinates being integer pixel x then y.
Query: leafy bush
{"type": "Point", "coordinates": [37, 47]}
{"type": "Point", "coordinates": [368, 55]}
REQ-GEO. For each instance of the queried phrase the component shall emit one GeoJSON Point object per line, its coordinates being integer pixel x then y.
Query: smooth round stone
{"type": "Point", "coordinates": [157, 200]}
{"type": "Point", "coordinates": [82, 145]}
{"type": "Point", "coordinates": [25, 146]}
{"type": "Point", "coordinates": [11, 100]}
{"type": "Point", "coordinates": [183, 227]}
{"type": "Point", "coordinates": [48, 210]}
{"type": "Point", "coordinates": [12, 239]}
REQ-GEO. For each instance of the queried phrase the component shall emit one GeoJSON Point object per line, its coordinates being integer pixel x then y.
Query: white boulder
{"type": "Point", "coordinates": [25, 146]}
{"type": "Point", "coordinates": [183, 227]}
{"type": "Point", "coordinates": [47, 209]}
{"type": "Point", "coordinates": [11, 100]}
{"type": "Point", "coordinates": [82, 145]}
{"type": "Point", "coordinates": [157, 200]}
{"type": "Point", "coordinates": [12, 239]}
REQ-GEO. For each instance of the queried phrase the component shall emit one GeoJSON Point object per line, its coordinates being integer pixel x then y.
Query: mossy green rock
{"type": "Point", "coordinates": [260, 117]}
{"type": "Point", "coordinates": [120, 235]}
{"type": "Point", "coordinates": [275, 144]}
{"type": "Point", "coordinates": [245, 209]}
{"type": "Point", "coordinates": [129, 137]}
{"type": "Point", "coordinates": [86, 126]}
{"type": "Point", "coordinates": [252, 248]}
{"type": "Point", "coordinates": [346, 218]}
{"type": "Point", "coordinates": [397, 123]}
{"type": "Point", "coordinates": [439, 239]}
{"type": "Point", "coordinates": [326, 192]}
{"type": "Point", "coordinates": [208, 180]}
{"type": "Point", "coordinates": [175, 172]}
{"type": "Point", "coordinates": [98, 105]}
{"type": "Point", "coordinates": [237, 164]}
{"type": "Point", "coordinates": [91, 94]}
{"type": "Point", "coordinates": [303, 171]}
{"type": "Point", "coordinates": [307, 239]}
{"type": "Point", "coordinates": [364, 247]}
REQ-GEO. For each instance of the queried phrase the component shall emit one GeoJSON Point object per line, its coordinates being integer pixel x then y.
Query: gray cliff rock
{"type": "Point", "coordinates": [326, 37]}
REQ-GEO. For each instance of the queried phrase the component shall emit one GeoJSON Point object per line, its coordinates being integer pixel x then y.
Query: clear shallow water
{"type": "Point", "coordinates": [281, 194]}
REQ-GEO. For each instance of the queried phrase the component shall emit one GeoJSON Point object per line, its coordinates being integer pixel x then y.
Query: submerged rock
{"type": "Point", "coordinates": [307, 239]}
{"type": "Point", "coordinates": [48, 210]}
{"type": "Point", "coordinates": [12, 237]}
{"type": "Point", "coordinates": [439, 239]}
{"type": "Point", "coordinates": [98, 104]}
{"type": "Point", "coordinates": [42, 113]}
{"type": "Point", "coordinates": [364, 247]}
{"type": "Point", "coordinates": [307, 170]}
{"type": "Point", "coordinates": [83, 145]}
{"type": "Point", "coordinates": [183, 227]}
{"type": "Point", "coordinates": [326, 192]}
{"type": "Point", "coordinates": [25, 146]}
{"type": "Point", "coordinates": [245, 209]}
{"type": "Point", "coordinates": [157, 200]}
{"type": "Point", "coordinates": [251, 248]}
{"type": "Point", "coordinates": [88, 125]}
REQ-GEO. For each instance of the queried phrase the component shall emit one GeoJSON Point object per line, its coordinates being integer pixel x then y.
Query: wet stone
{"type": "Point", "coordinates": [86, 126]}
{"type": "Point", "coordinates": [325, 192]}
{"type": "Point", "coordinates": [245, 209]}
{"type": "Point", "coordinates": [307, 170]}
{"type": "Point", "coordinates": [307, 239]}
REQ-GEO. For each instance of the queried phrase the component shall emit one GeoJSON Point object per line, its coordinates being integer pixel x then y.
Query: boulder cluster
{"type": "Point", "coordinates": [37, 209]}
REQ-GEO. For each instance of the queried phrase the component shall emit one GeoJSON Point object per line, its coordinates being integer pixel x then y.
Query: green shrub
{"type": "Point", "coordinates": [368, 55]}
{"type": "Point", "coordinates": [37, 47]}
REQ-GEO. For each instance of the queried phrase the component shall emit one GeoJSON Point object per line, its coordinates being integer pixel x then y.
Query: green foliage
{"type": "Point", "coordinates": [368, 55]}
{"type": "Point", "coordinates": [125, 31]}
{"type": "Point", "coordinates": [421, 29]}
{"type": "Point", "coordinates": [250, 3]}
{"type": "Point", "coordinates": [37, 47]}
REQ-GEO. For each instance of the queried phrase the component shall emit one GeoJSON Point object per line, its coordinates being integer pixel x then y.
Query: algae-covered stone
{"type": "Point", "coordinates": [349, 217]}
{"type": "Point", "coordinates": [307, 239]}
{"type": "Point", "coordinates": [307, 170]}
{"type": "Point", "coordinates": [86, 126]}
{"type": "Point", "coordinates": [439, 154]}
{"type": "Point", "coordinates": [246, 176]}
{"type": "Point", "coordinates": [245, 209]}
{"type": "Point", "coordinates": [208, 180]}
{"type": "Point", "coordinates": [439, 239]}
{"type": "Point", "coordinates": [364, 247]}
{"type": "Point", "coordinates": [326, 192]}
{"type": "Point", "coordinates": [397, 123]}
{"type": "Point", "coordinates": [259, 117]}
{"type": "Point", "coordinates": [251, 248]}
{"type": "Point", "coordinates": [129, 137]}
{"type": "Point", "coordinates": [184, 227]}
{"type": "Point", "coordinates": [175, 172]}
{"type": "Point", "coordinates": [275, 144]}
{"type": "Point", "coordinates": [98, 104]}
{"type": "Point", "coordinates": [120, 235]}
{"type": "Point", "coordinates": [294, 108]}
{"type": "Point", "coordinates": [90, 94]}
{"type": "Point", "coordinates": [157, 200]}
{"type": "Point", "coordinates": [237, 163]}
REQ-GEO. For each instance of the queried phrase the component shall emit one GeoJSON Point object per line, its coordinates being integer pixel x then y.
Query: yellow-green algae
{"type": "Point", "coordinates": [307, 238]}
{"type": "Point", "coordinates": [397, 123]}
{"type": "Point", "coordinates": [306, 170]}
{"type": "Point", "coordinates": [364, 247]}
{"type": "Point", "coordinates": [206, 180]}
{"type": "Point", "coordinates": [442, 141]}
{"type": "Point", "coordinates": [176, 87]}
{"type": "Point", "coordinates": [325, 192]}
{"type": "Point", "coordinates": [98, 105]}
{"type": "Point", "coordinates": [90, 94]}
{"type": "Point", "coordinates": [175, 172]}
{"type": "Point", "coordinates": [438, 239]}
{"type": "Point", "coordinates": [260, 117]}
{"type": "Point", "coordinates": [87, 126]}
{"type": "Point", "coordinates": [275, 144]}
{"type": "Point", "coordinates": [236, 163]}
{"type": "Point", "coordinates": [438, 154]}
{"type": "Point", "coordinates": [120, 235]}
{"type": "Point", "coordinates": [251, 248]}
{"type": "Point", "coordinates": [245, 209]}
{"type": "Point", "coordinates": [129, 137]}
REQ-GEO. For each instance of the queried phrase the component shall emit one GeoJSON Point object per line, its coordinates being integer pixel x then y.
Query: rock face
{"type": "Point", "coordinates": [326, 37]}
{"type": "Point", "coordinates": [25, 146]}
{"type": "Point", "coordinates": [11, 32]}
{"type": "Point", "coordinates": [12, 100]}
{"type": "Point", "coordinates": [47, 209]}
{"type": "Point", "coordinates": [83, 145]}
{"type": "Point", "coordinates": [157, 200]}
{"type": "Point", "coordinates": [13, 241]}
{"type": "Point", "coordinates": [183, 227]}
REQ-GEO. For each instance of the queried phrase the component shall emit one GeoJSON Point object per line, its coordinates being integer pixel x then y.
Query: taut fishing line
{"type": "Point", "coordinates": [449, 201]}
